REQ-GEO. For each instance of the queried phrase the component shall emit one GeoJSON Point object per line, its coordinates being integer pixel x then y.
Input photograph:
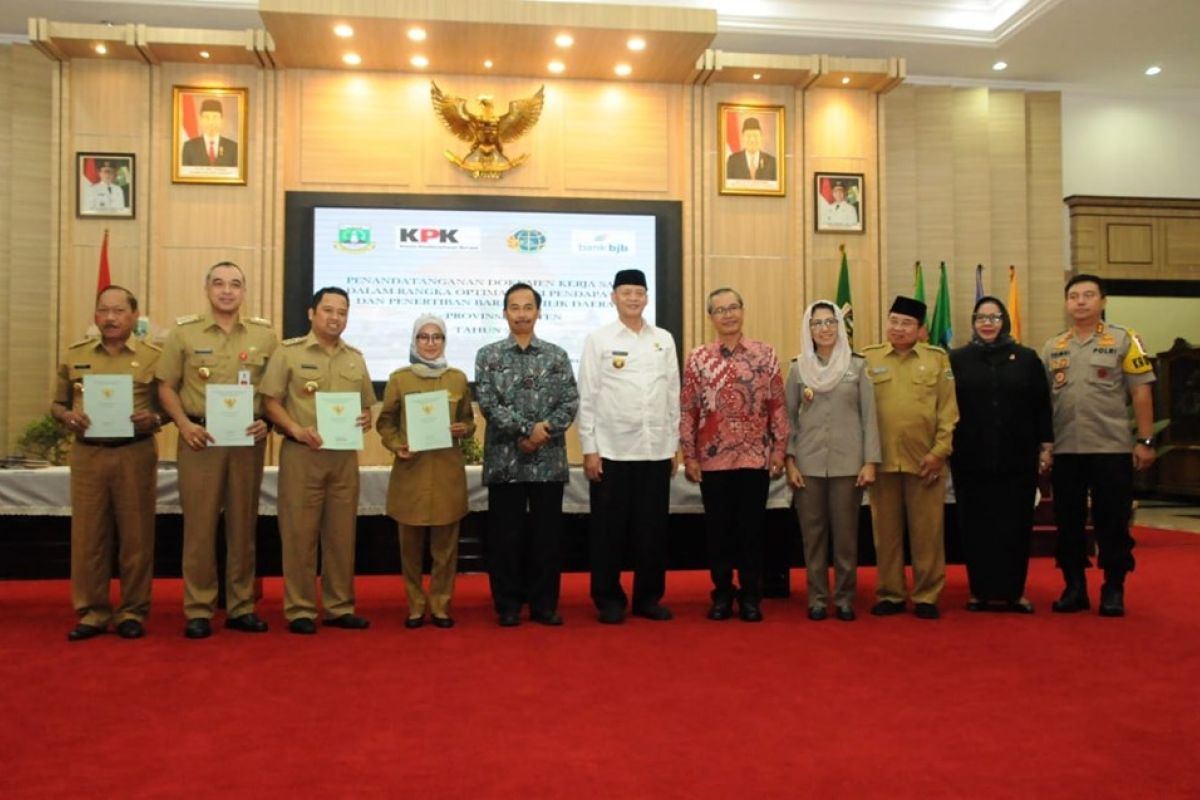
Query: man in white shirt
{"type": "Point", "coordinates": [105, 195]}
{"type": "Point", "coordinates": [841, 212]}
{"type": "Point", "coordinates": [628, 426]}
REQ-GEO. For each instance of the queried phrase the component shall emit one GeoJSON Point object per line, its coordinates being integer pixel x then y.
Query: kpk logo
{"type": "Point", "coordinates": [526, 240]}
{"type": "Point", "coordinates": [603, 243]}
{"type": "Point", "coordinates": [354, 239]}
{"type": "Point", "coordinates": [442, 238]}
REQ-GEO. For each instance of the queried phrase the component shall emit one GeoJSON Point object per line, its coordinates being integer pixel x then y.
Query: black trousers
{"type": "Point", "coordinates": [629, 505]}
{"type": "Point", "coordinates": [995, 524]}
{"type": "Point", "coordinates": [735, 506]}
{"type": "Point", "coordinates": [524, 554]}
{"type": "Point", "coordinates": [1108, 477]}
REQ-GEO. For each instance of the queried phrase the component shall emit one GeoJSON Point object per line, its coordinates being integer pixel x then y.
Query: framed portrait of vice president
{"type": "Point", "coordinates": [208, 136]}
{"type": "Point", "coordinates": [750, 149]}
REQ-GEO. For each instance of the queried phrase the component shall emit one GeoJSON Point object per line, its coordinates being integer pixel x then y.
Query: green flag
{"type": "Point", "coordinates": [939, 324]}
{"type": "Point", "coordinates": [843, 297]}
{"type": "Point", "coordinates": [919, 284]}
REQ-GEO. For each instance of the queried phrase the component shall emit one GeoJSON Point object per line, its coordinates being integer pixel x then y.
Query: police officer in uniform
{"type": "Point", "coordinates": [917, 410]}
{"type": "Point", "coordinates": [113, 481]}
{"type": "Point", "coordinates": [318, 489]}
{"type": "Point", "coordinates": [220, 347]}
{"type": "Point", "coordinates": [1095, 370]}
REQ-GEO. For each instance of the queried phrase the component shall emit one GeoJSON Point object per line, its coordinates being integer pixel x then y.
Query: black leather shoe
{"type": "Point", "coordinates": [1074, 598]}
{"type": "Point", "coordinates": [656, 612]}
{"type": "Point", "coordinates": [131, 629]}
{"type": "Point", "coordinates": [611, 615]}
{"type": "Point", "coordinates": [547, 618]}
{"type": "Point", "coordinates": [721, 609]}
{"type": "Point", "coordinates": [749, 611]}
{"type": "Point", "coordinates": [817, 613]}
{"type": "Point", "coordinates": [351, 622]}
{"type": "Point", "coordinates": [926, 611]}
{"type": "Point", "coordinates": [198, 628]}
{"type": "Point", "coordinates": [246, 623]}
{"type": "Point", "coordinates": [846, 614]}
{"type": "Point", "coordinates": [83, 632]}
{"type": "Point", "coordinates": [1021, 606]}
{"type": "Point", "coordinates": [509, 619]}
{"type": "Point", "coordinates": [886, 608]}
{"type": "Point", "coordinates": [414, 622]}
{"type": "Point", "coordinates": [976, 605]}
{"type": "Point", "coordinates": [1112, 600]}
{"type": "Point", "coordinates": [303, 625]}
{"type": "Point", "coordinates": [442, 622]}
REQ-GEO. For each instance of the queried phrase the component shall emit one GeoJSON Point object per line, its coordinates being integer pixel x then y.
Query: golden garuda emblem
{"type": "Point", "coordinates": [487, 132]}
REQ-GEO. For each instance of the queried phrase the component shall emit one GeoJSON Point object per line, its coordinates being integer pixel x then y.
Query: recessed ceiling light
{"type": "Point", "coordinates": [416, 34]}
{"type": "Point", "coordinates": [636, 43]}
{"type": "Point", "coordinates": [101, 49]}
{"type": "Point", "coordinates": [757, 76]}
{"type": "Point", "coordinates": [1153, 70]}
{"type": "Point", "coordinates": [420, 62]}
{"type": "Point", "coordinates": [845, 80]}
{"type": "Point", "coordinates": [488, 64]}
{"type": "Point", "coordinates": [623, 70]}
{"type": "Point", "coordinates": [353, 59]}
{"type": "Point", "coordinates": [343, 30]}
{"type": "Point", "coordinates": [205, 54]}
{"type": "Point", "coordinates": [1000, 65]}
{"type": "Point", "coordinates": [556, 66]}
{"type": "Point", "coordinates": [564, 40]}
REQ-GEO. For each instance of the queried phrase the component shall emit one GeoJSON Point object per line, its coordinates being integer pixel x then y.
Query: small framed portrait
{"type": "Point", "coordinates": [208, 137]}
{"type": "Point", "coordinates": [750, 145]}
{"type": "Point", "coordinates": [838, 205]}
{"type": "Point", "coordinates": [106, 185]}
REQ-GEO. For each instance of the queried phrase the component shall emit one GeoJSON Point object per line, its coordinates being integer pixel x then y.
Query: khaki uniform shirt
{"type": "Point", "coordinates": [1090, 382]}
{"type": "Point", "coordinates": [914, 396]}
{"type": "Point", "coordinates": [198, 352]}
{"type": "Point", "coordinates": [88, 357]}
{"type": "Point", "coordinates": [301, 367]}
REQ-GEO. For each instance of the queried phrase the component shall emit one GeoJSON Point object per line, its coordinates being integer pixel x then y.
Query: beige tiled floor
{"type": "Point", "coordinates": [1174, 516]}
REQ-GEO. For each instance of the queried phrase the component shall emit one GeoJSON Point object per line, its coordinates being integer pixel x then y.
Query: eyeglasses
{"type": "Point", "coordinates": [992, 318]}
{"type": "Point", "coordinates": [721, 311]}
{"type": "Point", "coordinates": [430, 338]}
{"type": "Point", "coordinates": [828, 322]}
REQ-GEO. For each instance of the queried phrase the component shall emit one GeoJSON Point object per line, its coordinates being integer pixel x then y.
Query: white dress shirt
{"type": "Point", "coordinates": [629, 394]}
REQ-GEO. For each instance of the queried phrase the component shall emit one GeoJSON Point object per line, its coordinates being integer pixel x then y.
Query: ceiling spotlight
{"type": "Point", "coordinates": [556, 66]}
{"type": "Point", "coordinates": [1000, 65]}
{"type": "Point", "coordinates": [623, 70]}
{"type": "Point", "coordinates": [353, 59]}
{"type": "Point", "coordinates": [564, 40]}
{"type": "Point", "coordinates": [757, 76]}
{"type": "Point", "coordinates": [488, 64]}
{"type": "Point", "coordinates": [343, 30]}
{"type": "Point", "coordinates": [637, 44]}
{"type": "Point", "coordinates": [101, 49]}
{"type": "Point", "coordinates": [1153, 70]}
{"type": "Point", "coordinates": [420, 62]}
{"type": "Point", "coordinates": [416, 34]}
{"type": "Point", "coordinates": [846, 81]}
{"type": "Point", "coordinates": [205, 54]}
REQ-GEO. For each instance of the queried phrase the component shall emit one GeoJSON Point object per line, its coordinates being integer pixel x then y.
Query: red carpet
{"type": "Point", "coordinates": [975, 705]}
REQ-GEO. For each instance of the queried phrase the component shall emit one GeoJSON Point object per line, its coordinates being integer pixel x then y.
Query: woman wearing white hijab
{"type": "Point", "coordinates": [427, 489]}
{"type": "Point", "coordinates": [832, 453]}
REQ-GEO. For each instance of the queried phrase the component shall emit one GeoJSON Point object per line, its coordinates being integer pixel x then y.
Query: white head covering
{"type": "Point", "coordinates": [823, 377]}
{"type": "Point", "coordinates": [421, 366]}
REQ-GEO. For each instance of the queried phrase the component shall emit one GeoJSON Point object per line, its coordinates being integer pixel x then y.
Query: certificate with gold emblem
{"type": "Point", "coordinates": [228, 412]}
{"type": "Point", "coordinates": [108, 402]}
{"type": "Point", "coordinates": [337, 420]}
{"type": "Point", "coordinates": [427, 420]}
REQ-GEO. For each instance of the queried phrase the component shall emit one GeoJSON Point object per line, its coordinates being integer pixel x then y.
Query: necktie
{"type": "Point", "coordinates": [212, 153]}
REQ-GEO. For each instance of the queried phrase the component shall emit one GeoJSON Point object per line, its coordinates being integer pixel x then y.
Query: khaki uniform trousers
{"type": "Point", "coordinates": [318, 501]}
{"type": "Point", "coordinates": [443, 551]}
{"type": "Point", "coordinates": [112, 486]}
{"type": "Point", "coordinates": [210, 480]}
{"type": "Point", "coordinates": [827, 509]}
{"type": "Point", "coordinates": [895, 497]}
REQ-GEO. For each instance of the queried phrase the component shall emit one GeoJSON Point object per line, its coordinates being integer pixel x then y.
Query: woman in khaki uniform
{"type": "Point", "coordinates": [427, 489]}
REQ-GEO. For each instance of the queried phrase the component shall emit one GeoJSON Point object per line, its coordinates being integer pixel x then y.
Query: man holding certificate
{"type": "Point", "coordinates": [209, 367]}
{"type": "Point", "coordinates": [318, 393]}
{"type": "Point", "coordinates": [426, 413]}
{"type": "Point", "coordinates": [106, 396]}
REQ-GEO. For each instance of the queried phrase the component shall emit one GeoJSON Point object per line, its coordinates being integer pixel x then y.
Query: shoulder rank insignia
{"type": "Point", "coordinates": [187, 319]}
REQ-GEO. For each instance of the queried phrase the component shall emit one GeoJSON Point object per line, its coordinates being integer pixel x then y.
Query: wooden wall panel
{"type": "Point", "coordinates": [899, 194]}
{"type": "Point", "coordinates": [6, 159]}
{"type": "Point", "coordinates": [935, 185]}
{"type": "Point", "coordinates": [633, 126]}
{"type": "Point", "coordinates": [974, 208]}
{"type": "Point", "coordinates": [1009, 207]}
{"type": "Point", "coordinates": [1181, 246]}
{"type": "Point", "coordinates": [1042, 286]}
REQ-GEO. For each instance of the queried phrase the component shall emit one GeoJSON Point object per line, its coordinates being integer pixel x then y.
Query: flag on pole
{"type": "Point", "coordinates": [104, 277]}
{"type": "Point", "coordinates": [843, 296]}
{"type": "Point", "coordinates": [940, 332]}
{"type": "Point", "coordinates": [978, 282]}
{"type": "Point", "coordinates": [919, 284]}
{"type": "Point", "coordinates": [1014, 304]}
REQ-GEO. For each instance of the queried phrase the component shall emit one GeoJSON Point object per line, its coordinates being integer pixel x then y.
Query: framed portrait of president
{"type": "Point", "coordinates": [208, 135]}
{"type": "Point", "coordinates": [750, 140]}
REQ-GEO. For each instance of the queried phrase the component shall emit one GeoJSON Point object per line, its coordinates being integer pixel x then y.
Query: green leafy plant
{"type": "Point", "coordinates": [472, 450]}
{"type": "Point", "coordinates": [45, 439]}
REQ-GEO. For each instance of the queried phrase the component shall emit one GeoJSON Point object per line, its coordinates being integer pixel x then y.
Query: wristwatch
{"type": "Point", "coordinates": [1148, 441]}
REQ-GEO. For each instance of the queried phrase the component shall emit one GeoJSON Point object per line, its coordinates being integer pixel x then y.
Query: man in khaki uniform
{"type": "Point", "coordinates": [318, 489]}
{"type": "Point", "coordinates": [220, 347]}
{"type": "Point", "coordinates": [917, 410]}
{"type": "Point", "coordinates": [1096, 371]}
{"type": "Point", "coordinates": [113, 481]}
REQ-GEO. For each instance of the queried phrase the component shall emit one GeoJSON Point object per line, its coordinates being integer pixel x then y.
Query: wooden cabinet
{"type": "Point", "coordinates": [1135, 238]}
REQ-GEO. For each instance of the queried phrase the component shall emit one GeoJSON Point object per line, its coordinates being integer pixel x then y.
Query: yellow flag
{"type": "Point", "coordinates": [1014, 303]}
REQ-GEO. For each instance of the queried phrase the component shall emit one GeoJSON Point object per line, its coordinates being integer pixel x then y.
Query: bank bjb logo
{"type": "Point", "coordinates": [526, 240]}
{"type": "Point", "coordinates": [442, 238]}
{"type": "Point", "coordinates": [354, 239]}
{"type": "Point", "coordinates": [604, 243]}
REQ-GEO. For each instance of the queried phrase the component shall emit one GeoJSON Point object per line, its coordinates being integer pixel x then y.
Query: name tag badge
{"type": "Point", "coordinates": [243, 377]}
{"type": "Point", "coordinates": [202, 351]}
